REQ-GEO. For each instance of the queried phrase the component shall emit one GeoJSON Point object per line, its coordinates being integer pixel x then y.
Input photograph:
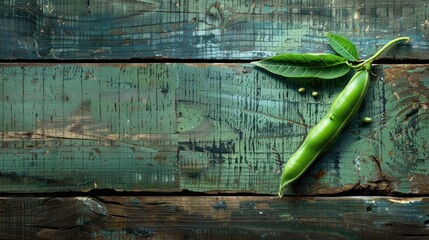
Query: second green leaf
{"type": "Point", "coordinates": [343, 47]}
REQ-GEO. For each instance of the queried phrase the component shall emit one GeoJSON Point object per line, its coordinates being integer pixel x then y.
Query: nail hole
{"type": "Point", "coordinates": [369, 209]}
{"type": "Point", "coordinates": [427, 223]}
{"type": "Point", "coordinates": [389, 225]}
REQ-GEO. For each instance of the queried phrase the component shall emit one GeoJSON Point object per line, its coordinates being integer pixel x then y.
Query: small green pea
{"type": "Point", "coordinates": [314, 94]}
{"type": "Point", "coordinates": [367, 120]}
{"type": "Point", "coordinates": [301, 90]}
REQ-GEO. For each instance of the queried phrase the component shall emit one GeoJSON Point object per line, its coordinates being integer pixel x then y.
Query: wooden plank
{"type": "Point", "coordinates": [204, 128]}
{"type": "Point", "coordinates": [214, 217]}
{"type": "Point", "coordinates": [81, 126]}
{"type": "Point", "coordinates": [128, 29]}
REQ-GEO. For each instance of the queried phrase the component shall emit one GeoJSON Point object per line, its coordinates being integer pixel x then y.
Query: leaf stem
{"type": "Point", "coordinates": [367, 63]}
{"type": "Point", "coordinates": [379, 52]}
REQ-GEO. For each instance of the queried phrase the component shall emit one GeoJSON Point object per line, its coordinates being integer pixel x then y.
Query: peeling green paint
{"type": "Point", "coordinates": [200, 127]}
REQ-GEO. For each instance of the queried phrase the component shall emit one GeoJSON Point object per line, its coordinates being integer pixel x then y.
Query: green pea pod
{"type": "Point", "coordinates": [324, 134]}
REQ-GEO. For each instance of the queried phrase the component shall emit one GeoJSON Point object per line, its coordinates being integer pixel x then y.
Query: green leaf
{"type": "Point", "coordinates": [343, 47]}
{"type": "Point", "coordinates": [326, 66]}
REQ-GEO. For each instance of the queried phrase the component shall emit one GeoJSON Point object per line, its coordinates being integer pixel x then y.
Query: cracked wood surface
{"type": "Point", "coordinates": [159, 129]}
{"type": "Point", "coordinates": [214, 217]}
{"type": "Point", "coordinates": [203, 128]}
{"type": "Point", "coordinates": [243, 29]}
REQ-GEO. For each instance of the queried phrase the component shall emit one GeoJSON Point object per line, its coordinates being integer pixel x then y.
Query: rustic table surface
{"type": "Point", "coordinates": [145, 119]}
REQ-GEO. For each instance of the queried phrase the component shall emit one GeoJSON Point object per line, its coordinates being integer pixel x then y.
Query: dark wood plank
{"type": "Point", "coordinates": [204, 128]}
{"type": "Point", "coordinates": [213, 217]}
{"type": "Point", "coordinates": [128, 29]}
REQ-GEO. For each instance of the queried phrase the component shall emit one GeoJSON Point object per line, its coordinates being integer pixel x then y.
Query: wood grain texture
{"type": "Point", "coordinates": [244, 29]}
{"type": "Point", "coordinates": [204, 128]}
{"type": "Point", "coordinates": [213, 217]}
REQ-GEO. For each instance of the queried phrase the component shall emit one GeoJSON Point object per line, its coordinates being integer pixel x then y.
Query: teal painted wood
{"type": "Point", "coordinates": [68, 127]}
{"type": "Point", "coordinates": [204, 128]}
{"type": "Point", "coordinates": [214, 217]}
{"type": "Point", "coordinates": [104, 29]}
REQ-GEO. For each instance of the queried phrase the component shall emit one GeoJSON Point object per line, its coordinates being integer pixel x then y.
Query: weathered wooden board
{"type": "Point", "coordinates": [212, 217]}
{"type": "Point", "coordinates": [87, 126]}
{"type": "Point", "coordinates": [204, 128]}
{"type": "Point", "coordinates": [243, 29]}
